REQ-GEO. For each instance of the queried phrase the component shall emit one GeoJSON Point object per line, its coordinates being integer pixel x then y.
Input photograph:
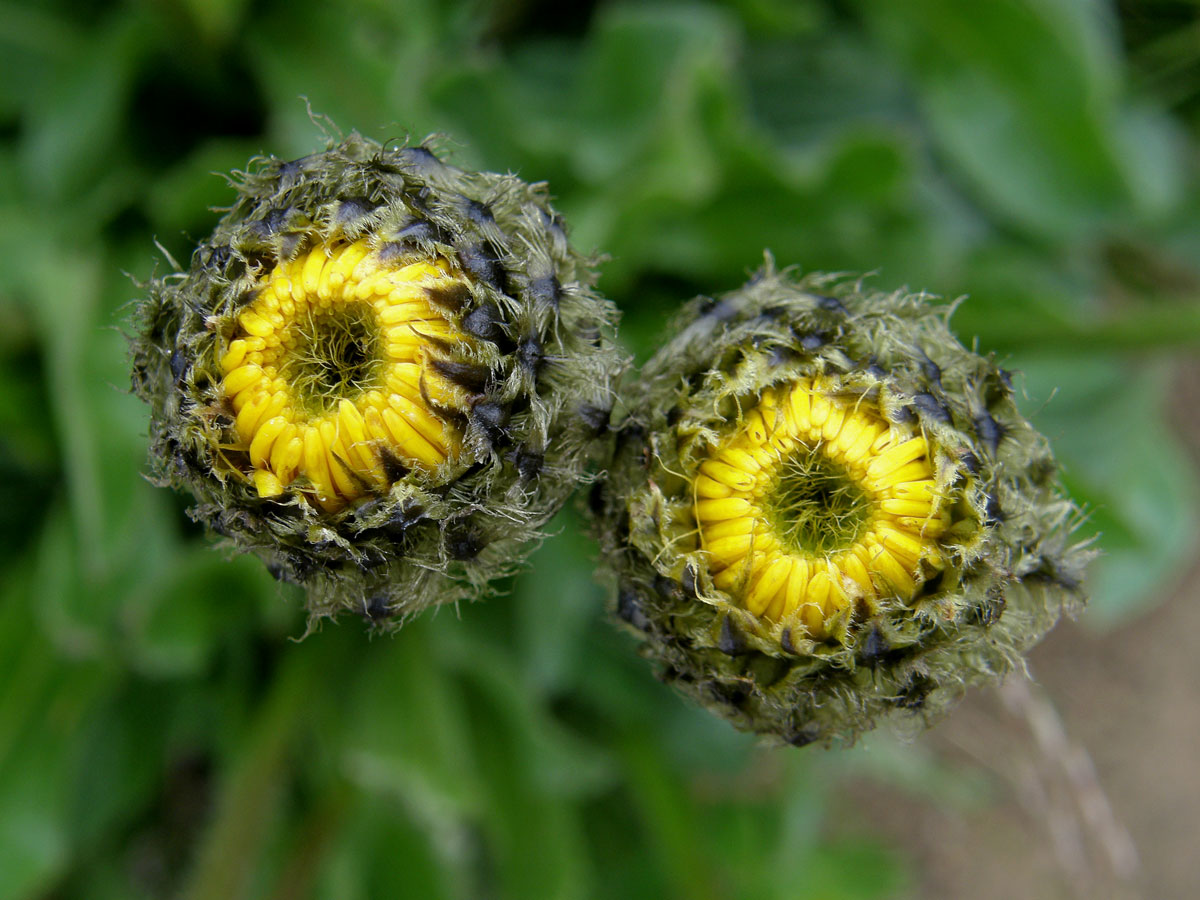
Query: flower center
{"type": "Point", "coordinates": [815, 506]}
{"type": "Point", "coordinates": [333, 354]}
{"type": "Point", "coordinates": [815, 503]}
{"type": "Point", "coordinates": [328, 374]}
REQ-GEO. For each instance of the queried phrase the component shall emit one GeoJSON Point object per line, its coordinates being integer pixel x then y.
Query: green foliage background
{"type": "Point", "coordinates": [162, 735]}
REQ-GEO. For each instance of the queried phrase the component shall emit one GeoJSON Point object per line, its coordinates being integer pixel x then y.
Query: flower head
{"type": "Point", "coordinates": [816, 504]}
{"type": "Point", "coordinates": [381, 373]}
{"type": "Point", "coordinates": [823, 509]}
{"type": "Point", "coordinates": [333, 376]}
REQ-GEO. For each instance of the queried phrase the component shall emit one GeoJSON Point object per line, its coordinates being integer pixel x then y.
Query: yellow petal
{"type": "Point", "coordinates": [757, 430]}
{"type": "Point", "coordinates": [725, 508]}
{"type": "Point", "coordinates": [327, 286]}
{"type": "Point", "coordinates": [405, 379]}
{"type": "Point", "coordinates": [373, 417]}
{"type": "Point", "coordinates": [727, 475]}
{"type": "Point", "coordinates": [392, 314]}
{"type": "Point", "coordinates": [342, 480]}
{"type": "Point", "coordinates": [926, 526]}
{"type": "Point", "coordinates": [408, 442]}
{"type": "Point", "coordinates": [709, 489]}
{"type": "Point", "coordinates": [838, 597]}
{"type": "Point", "coordinates": [915, 490]}
{"type": "Point", "coordinates": [914, 471]}
{"type": "Point", "coordinates": [234, 356]}
{"type": "Point", "coordinates": [730, 579]}
{"type": "Point", "coordinates": [891, 460]}
{"type": "Point", "coordinates": [310, 275]}
{"type": "Point", "coordinates": [740, 459]}
{"type": "Point", "coordinates": [726, 550]}
{"type": "Point", "coordinates": [904, 546]}
{"type": "Point", "coordinates": [287, 454]}
{"type": "Point", "coordinates": [891, 572]}
{"type": "Point", "coordinates": [316, 466]}
{"type": "Point", "coordinates": [282, 288]}
{"type": "Point", "coordinates": [439, 390]}
{"type": "Point", "coordinates": [251, 414]}
{"type": "Point", "coordinates": [819, 586]}
{"type": "Point", "coordinates": [341, 267]}
{"type": "Point", "coordinates": [918, 508]}
{"type": "Point", "coordinates": [353, 435]}
{"type": "Point", "coordinates": [402, 336]}
{"type": "Point", "coordinates": [801, 405]}
{"type": "Point", "coordinates": [713, 531]}
{"type": "Point", "coordinates": [366, 288]}
{"type": "Point", "coordinates": [854, 571]}
{"type": "Point", "coordinates": [860, 448]}
{"type": "Point", "coordinates": [403, 353]}
{"type": "Point", "coordinates": [821, 408]}
{"type": "Point", "coordinates": [267, 484]}
{"type": "Point", "coordinates": [768, 584]}
{"type": "Point", "coordinates": [264, 440]}
{"type": "Point", "coordinates": [797, 586]}
{"type": "Point", "coordinates": [833, 425]}
{"type": "Point", "coordinates": [774, 612]}
{"type": "Point", "coordinates": [253, 323]}
{"type": "Point", "coordinates": [240, 379]}
{"type": "Point", "coordinates": [813, 618]}
{"type": "Point", "coordinates": [430, 428]}
{"type": "Point", "coordinates": [417, 271]}
{"type": "Point", "coordinates": [767, 456]}
{"type": "Point", "coordinates": [888, 439]}
{"type": "Point", "coordinates": [419, 331]}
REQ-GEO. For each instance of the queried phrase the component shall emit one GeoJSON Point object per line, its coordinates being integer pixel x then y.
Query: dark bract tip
{"type": "Point", "coordinates": [482, 264]}
{"type": "Point", "coordinates": [545, 291]}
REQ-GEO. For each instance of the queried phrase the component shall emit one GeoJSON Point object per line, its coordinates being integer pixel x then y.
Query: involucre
{"type": "Point", "coordinates": [380, 373]}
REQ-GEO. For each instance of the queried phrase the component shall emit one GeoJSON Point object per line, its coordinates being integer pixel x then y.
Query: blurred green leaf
{"type": "Point", "coordinates": [406, 735]}
{"type": "Point", "coordinates": [174, 618]}
{"type": "Point", "coordinates": [640, 96]}
{"type": "Point", "coordinates": [1127, 469]}
{"type": "Point", "coordinates": [854, 870]}
{"type": "Point", "coordinates": [560, 762]}
{"type": "Point", "coordinates": [843, 80]}
{"type": "Point", "coordinates": [74, 120]}
{"type": "Point", "coordinates": [42, 705]}
{"type": "Point", "coordinates": [159, 732]}
{"type": "Point", "coordinates": [555, 610]}
{"type": "Point", "coordinates": [526, 814]}
{"type": "Point", "coordinates": [670, 823]}
{"type": "Point", "coordinates": [216, 20]}
{"type": "Point", "coordinates": [1026, 102]}
{"type": "Point", "coordinates": [184, 198]}
{"type": "Point", "coordinates": [377, 851]}
{"type": "Point", "coordinates": [255, 779]}
{"type": "Point", "coordinates": [114, 754]}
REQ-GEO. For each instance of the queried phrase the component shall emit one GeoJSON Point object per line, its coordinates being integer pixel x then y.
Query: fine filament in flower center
{"type": "Point", "coordinates": [332, 355]}
{"type": "Point", "coordinates": [816, 503]}
{"type": "Point", "coordinates": [327, 375]}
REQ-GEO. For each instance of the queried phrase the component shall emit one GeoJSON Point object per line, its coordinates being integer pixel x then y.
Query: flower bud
{"type": "Point", "coordinates": [823, 510]}
{"type": "Point", "coordinates": [381, 373]}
